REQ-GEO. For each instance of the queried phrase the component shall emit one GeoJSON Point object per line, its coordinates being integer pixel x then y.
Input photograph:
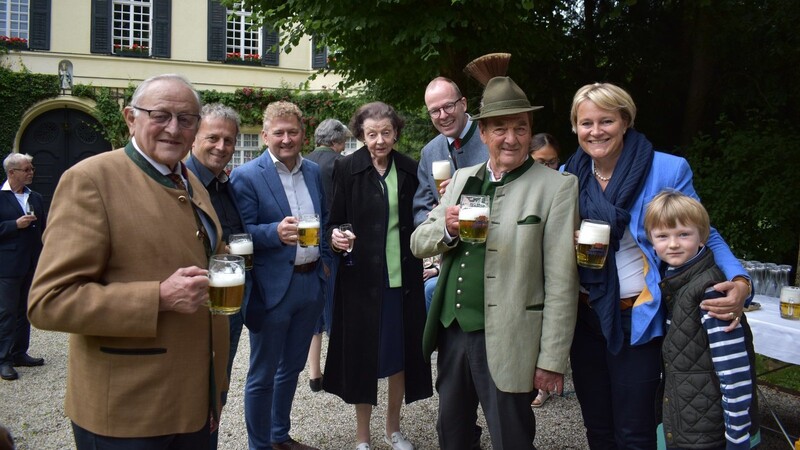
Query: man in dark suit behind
{"type": "Point", "coordinates": [22, 221]}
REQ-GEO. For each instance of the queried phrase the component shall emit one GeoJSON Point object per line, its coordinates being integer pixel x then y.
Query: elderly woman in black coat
{"type": "Point", "coordinates": [379, 306]}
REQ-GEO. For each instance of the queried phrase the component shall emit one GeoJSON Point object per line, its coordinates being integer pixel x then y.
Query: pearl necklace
{"type": "Point", "coordinates": [600, 177]}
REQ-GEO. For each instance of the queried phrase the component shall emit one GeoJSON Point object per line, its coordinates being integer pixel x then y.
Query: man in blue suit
{"type": "Point", "coordinates": [22, 221]}
{"type": "Point", "coordinates": [273, 190]}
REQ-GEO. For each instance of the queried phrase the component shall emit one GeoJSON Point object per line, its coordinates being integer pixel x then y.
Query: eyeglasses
{"type": "Point", "coordinates": [447, 108]}
{"type": "Point", "coordinates": [164, 117]}
{"type": "Point", "coordinates": [551, 163]}
{"type": "Point", "coordinates": [28, 170]}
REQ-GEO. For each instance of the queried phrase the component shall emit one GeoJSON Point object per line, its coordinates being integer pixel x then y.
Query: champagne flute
{"type": "Point", "coordinates": [347, 230]}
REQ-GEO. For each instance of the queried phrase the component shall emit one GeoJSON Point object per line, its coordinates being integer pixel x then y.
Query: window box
{"type": "Point", "coordinates": [13, 43]}
{"type": "Point", "coordinates": [135, 51]}
{"type": "Point", "coordinates": [243, 62]}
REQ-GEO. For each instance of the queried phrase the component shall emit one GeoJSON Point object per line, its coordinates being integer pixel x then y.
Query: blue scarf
{"type": "Point", "coordinates": [612, 206]}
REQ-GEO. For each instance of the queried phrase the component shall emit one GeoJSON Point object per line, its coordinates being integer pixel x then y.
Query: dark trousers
{"type": "Point", "coordinates": [86, 440]}
{"type": "Point", "coordinates": [15, 330]}
{"type": "Point", "coordinates": [463, 381]}
{"type": "Point", "coordinates": [617, 393]}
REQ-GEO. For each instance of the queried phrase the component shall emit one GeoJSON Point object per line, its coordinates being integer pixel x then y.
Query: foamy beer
{"type": "Point", "coordinates": [790, 302]}
{"type": "Point", "coordinates": [593, 243]}
{"type": "Point", "coordinates": [441, 172]}
{"type": "Point", "coordinates": [242, 244]}
{"type": "Point", "coordinates": [308, 230]}
{"type": "Point", "coordinates": [473, 218]}
{"type": "Point", "coordinates": [225, 284]}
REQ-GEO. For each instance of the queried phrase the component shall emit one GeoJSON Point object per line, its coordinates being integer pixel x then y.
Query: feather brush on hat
{"type": "Point", "coordinates": [486, 67]}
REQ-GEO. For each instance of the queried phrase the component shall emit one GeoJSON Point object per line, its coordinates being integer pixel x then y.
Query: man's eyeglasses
{"type": "Point", "coordinates": [28, 170]}
{"type": "Point", "coordinates": [447, 108]}
{"type": "Point", "coordinates": [159, 117]}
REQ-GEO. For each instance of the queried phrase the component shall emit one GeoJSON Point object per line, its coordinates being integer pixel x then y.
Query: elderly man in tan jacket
{"type": "Point", "coordinates": [503, 313]}
{"type": "Point", "coordinates": [123, 270]}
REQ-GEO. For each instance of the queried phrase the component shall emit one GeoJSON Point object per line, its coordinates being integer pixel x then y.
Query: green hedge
{"type": "Point", "coordinates": [18, 92]}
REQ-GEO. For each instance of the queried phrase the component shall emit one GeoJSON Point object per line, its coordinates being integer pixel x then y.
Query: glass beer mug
{"type": "Point", "coordinates": [242, 244]}
{"type": "Point", "coordinates": [790, 302]}
{"type": "Point", "coordinates": [308, 230]}
{"type": "Point", "coordinates": [473, 218]}
{"type": "Point", "coordinates": [225, 284]}
{"type": "Point", "coordinates": [592, 245]}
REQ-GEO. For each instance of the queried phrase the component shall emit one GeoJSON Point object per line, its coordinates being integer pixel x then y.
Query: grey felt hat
{"type": "Point", "coordinates": [502, 97]}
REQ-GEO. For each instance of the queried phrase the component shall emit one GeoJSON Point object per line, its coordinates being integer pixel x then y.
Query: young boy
{"type": "Point", "coordinates": [708, 400]}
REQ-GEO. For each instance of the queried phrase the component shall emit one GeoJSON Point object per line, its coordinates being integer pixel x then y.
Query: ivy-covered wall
{"type": "Point", "coordinates": [18, 92]}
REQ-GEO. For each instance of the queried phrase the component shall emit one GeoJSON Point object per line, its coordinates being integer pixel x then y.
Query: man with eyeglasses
{"type": "Point", "coordinates": [457, 142]}
{"type": "Point", "coordinates": [22, 220]}
{"type": "Point", "coordinates": [123, 270]}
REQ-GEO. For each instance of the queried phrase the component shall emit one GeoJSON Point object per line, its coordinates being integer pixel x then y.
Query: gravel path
{"type": "Point", "coordinates": [32, 407]}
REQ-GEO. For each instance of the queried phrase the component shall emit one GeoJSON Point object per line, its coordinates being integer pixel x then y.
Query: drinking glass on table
{"type": "Point", "coordinates": [347, 230]}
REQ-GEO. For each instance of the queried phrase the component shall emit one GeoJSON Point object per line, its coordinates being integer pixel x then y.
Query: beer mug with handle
{"type": "Point", "coordinates": [225, 284]}
{"type": "Point", "coordinates": [473, 218]}
{"type": "Point", "coordinates": [592, 245]}
{"type": "Point", "coordinates": [308, 230]}
{"type": "Point", "coordinates": [242, 244]}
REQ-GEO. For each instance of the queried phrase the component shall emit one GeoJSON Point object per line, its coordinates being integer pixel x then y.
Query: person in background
{"type": "Point", "coordinates": [709, 374]}
{"type": "Point", "coordinates": [545, 150]}
{"type": "Point", "coordinates": [503, 312]}
{"type": "Point", "coordinates": [287, 298]}
{"type": "Point", "coordinates": [212, 150]}
{"type": "Point", "coordinates": [379, 308]}
{"type": "Point", "coordinates": [123, 270]}
{"type": "Point", "coordinates": [22, 222]}
{"type": "Point", "coordinates": [457, 142]}
{"type": "Point", "coordinates": [330, 137]}
{"type": "Point", "coordinates": [616, 351]}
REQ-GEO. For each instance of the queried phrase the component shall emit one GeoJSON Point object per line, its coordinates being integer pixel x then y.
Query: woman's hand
{"type": "Point", "coordinates": [731, 306]}
{"type": "Point", "coordinates": [339, 240]}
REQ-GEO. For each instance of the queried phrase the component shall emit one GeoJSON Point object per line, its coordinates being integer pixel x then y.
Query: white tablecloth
{"type": "Point", "coordinates": [773, 336]}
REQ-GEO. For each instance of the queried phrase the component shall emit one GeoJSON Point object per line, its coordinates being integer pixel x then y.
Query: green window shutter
{"type": "Point", "coordinates": [270, 38]}
{"type": "Point", "coordinates": [39, 32]}
{"type": "Point", "coordinates": [162, 28]}
{"type": "Point", "coordinates": [101, 26]}
{"type": "Point", "coordinates": [217, 21]}
{"type": "Point", "coordinates": [319, 55]}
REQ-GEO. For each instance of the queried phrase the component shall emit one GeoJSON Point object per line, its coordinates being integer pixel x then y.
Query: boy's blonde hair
{"type": "Point", "coordinates": [670, 207]}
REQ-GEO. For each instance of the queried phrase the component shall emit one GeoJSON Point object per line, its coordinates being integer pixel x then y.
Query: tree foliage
{"type": "Point", "coordinates": [687, 63]}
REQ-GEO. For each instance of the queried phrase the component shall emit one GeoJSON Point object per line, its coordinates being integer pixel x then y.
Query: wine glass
{"type": "Point", "coordinates": [347, 230]}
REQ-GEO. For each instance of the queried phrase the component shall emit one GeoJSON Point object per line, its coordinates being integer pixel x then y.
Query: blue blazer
{"type": "Point", "coordinates": [667, 172]}
{"type": "Point", "coordinates": [263, 204]}
{"type": "Point", "coordinates": [19, 249]}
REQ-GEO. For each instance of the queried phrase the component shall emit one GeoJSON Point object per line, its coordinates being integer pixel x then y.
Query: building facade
{"type": "Point", "coordinates": [119, 43]}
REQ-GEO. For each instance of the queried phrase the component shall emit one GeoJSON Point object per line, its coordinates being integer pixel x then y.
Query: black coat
{"type": "Point", "coordinates": [352, 362]}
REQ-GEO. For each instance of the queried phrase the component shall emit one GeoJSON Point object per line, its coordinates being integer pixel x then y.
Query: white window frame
{"type": "Point", "coordinates": [248, 147]}
{"type": "Point", "coordinates": [245, 40]}
{"type": "Point", "coordinates": [15, 18]}
{"type": "Point", "coordinates": [134, 31]}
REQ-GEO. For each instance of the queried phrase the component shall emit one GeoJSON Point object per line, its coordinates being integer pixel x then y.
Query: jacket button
{"type": "Point", "coordinates": [182, 199]}
{"type": "Point", "coordinates": [458, 305]}
{"type": "Point", "coordinates": [458, 291]}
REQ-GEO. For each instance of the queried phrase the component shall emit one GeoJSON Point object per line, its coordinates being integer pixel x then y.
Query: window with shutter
{"type": "Point", "coordinates": [132, 27]}
{"type": "Point", "coordinates": [217, 22]}
{"type": "Point", "coordinates": [319, 54]}
{"type": "Point", "coordinates": [271, 49]}
{"type": "Point", "coordinates": [39, 25]}
{"type": "Point", "coordinates": [242, 38]}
